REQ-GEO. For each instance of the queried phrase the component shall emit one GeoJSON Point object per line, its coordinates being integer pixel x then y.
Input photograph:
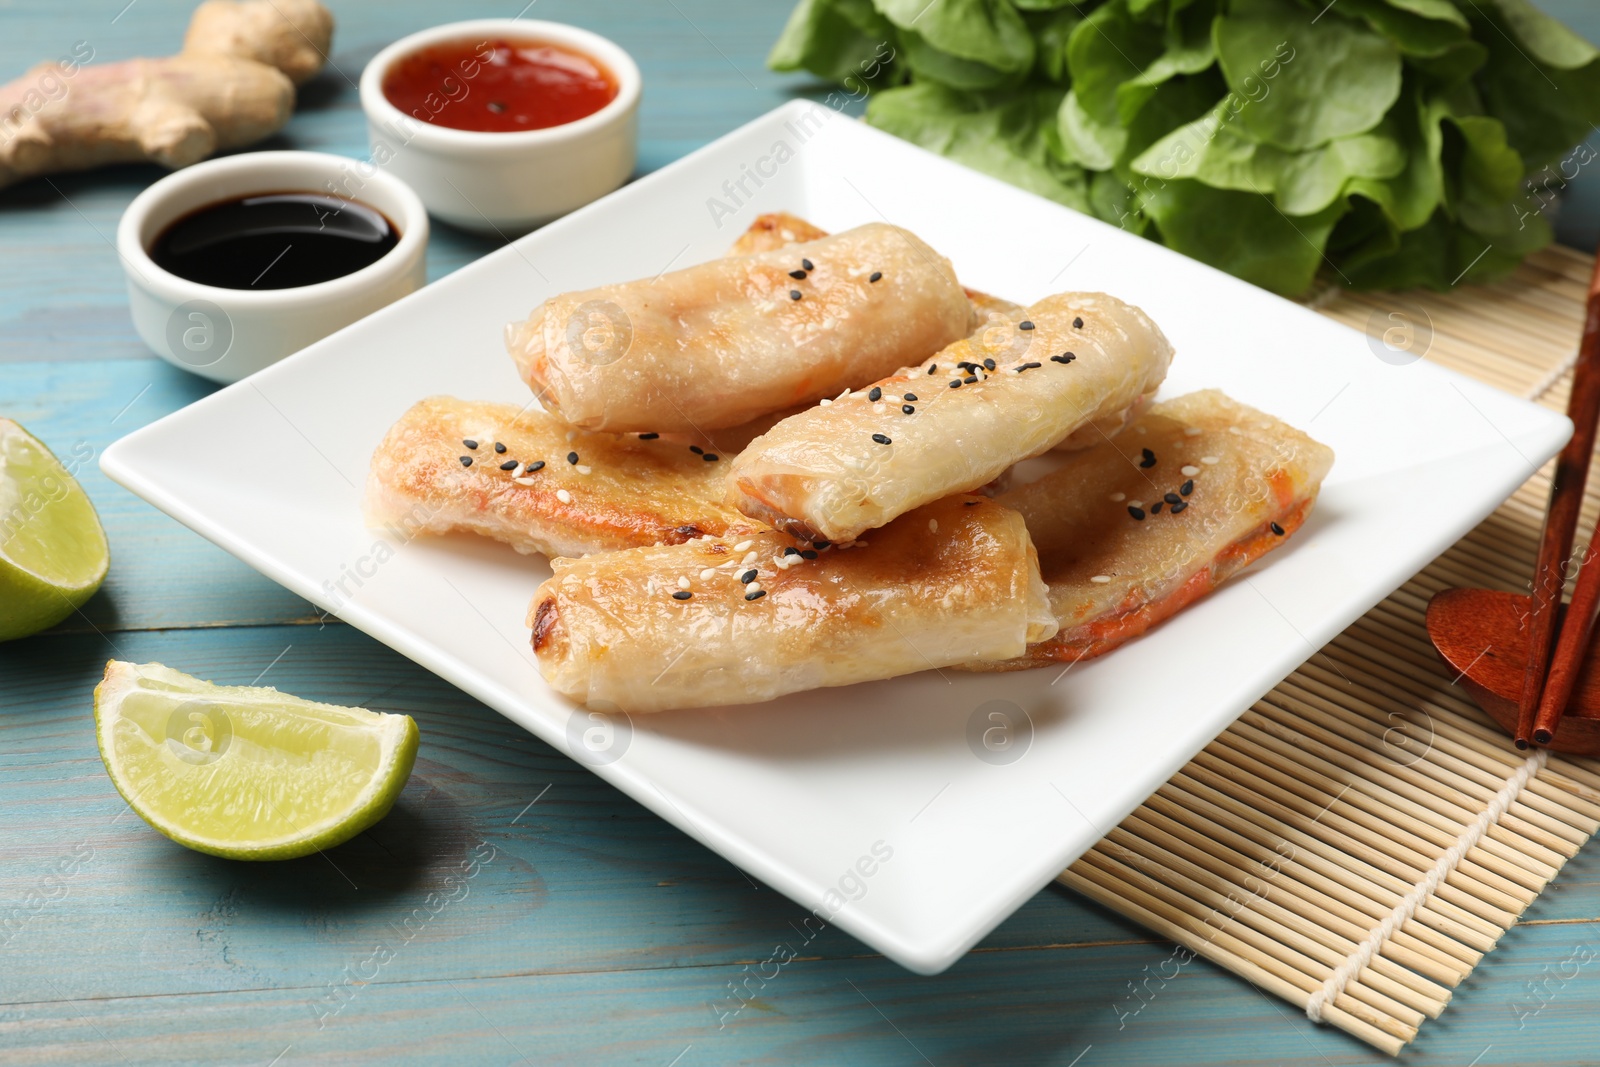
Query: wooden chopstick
{"type": "Point", "coordinates": [1572, 646]}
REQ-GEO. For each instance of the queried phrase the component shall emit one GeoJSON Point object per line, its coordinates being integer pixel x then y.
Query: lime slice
{"type": "Point", "coordinates": [247, 773]}
{"type": "Point", "coordinates": [53, 553]}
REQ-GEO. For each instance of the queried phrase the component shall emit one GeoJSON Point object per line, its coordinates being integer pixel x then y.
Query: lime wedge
{"type": "Point", "coordinates": [247, 773]}
{"type": "Point", "coordinates": [53, 553]}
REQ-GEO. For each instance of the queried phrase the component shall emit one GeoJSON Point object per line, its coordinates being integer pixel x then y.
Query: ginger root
{"type": "Point", "coordinates": [232, 85]}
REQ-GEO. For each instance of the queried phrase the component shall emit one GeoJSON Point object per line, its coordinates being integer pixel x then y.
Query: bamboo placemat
{"type": "Point", "coordinates": [1363, 835]}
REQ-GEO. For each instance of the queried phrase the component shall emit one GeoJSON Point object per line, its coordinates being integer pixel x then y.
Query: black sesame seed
{"type": "Point", "coordinates": [794, 294]}
{"type": "Point", "coordinates": [1137, 513]}
{"type": "Point", "coordinates": [1187, 487]}
{"type": "Point", "coordinates": [1077, 323]}
{"type": "Point", "coordinates": [988, 364]}
{"type": "Point", "coordinates": [648, 436]}
{"type": "Point", "coordinates": [908, 409]}
{"type": "Point", "coordinates": [1275, 528]}
{"type": "Point", "coordinates": [682, 594]}
{"type": "Point", "coordinates": [697, 450]}
{"type": "Point", "coordinates": [1179, 506]}
{"type": "Point", "coordinates": [1024, 325]}
{"type": "Point", "coordinates": [971, 504]}
{"type": "Point", "coordinates": [1155, 509]}
{"type": "Point", "coordinates": [755, 594]}
{"type": "Point", "coordinates": [797, 274]}
{"type": "Point", "coordinates": [1030, 366]}
{"type": "Point", "coordinates": [962, 364]}
{"type": "Point", "coordinates": [970, 379]}
{"type": "Point", "coordinates": [882, 439]}
{"type": "Point", "coordinates": [710, 457]}
{"type": "Point", "coordinates": [572, 457]}
{"type": "Point", "coordinates": [955, 384]}
{"type": "Point", "coordinates": [1172, 498]}
{"type": "Point", "coordinates": [470, 443]}
{"type": "Point", "coordinates": [875, 394]}
{"type": "Point", "coordinates": [1059, 359]}
{"type": "Point", "coordinates": [875, 275]}
{"type": "Point", "coordinates": [807, 553]}
{"type": "Point", "coordinates": [821, 544]}
{"type": "Point", "coordinates": [509, 465]}
{"type": "Point", "coordinates": [932, 367]}
{"type": "Point", "coordinates": [808, 265]}
{"type": "Point", "coordinates": [500, 448]}
{"type": "Point", "coordinates": [791, 551]}
{"type": "Point", "coordinates": [911, 396]}
{"type": "Point", "coordinates": [536, 465]}
{"type": "Point", "coordinates": [466, 461]}
{"type": "Point", "coordinates": [748, 576]}
{"type": "Point", "coordinates": [1149, 459]}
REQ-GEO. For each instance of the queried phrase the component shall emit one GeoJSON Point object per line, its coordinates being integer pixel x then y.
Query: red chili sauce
{"type": "Point", "coordinates": [499, 86]}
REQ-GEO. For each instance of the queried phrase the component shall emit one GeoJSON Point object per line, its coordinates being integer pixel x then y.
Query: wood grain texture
{"type": "Point", "coordinates": [597, 934]}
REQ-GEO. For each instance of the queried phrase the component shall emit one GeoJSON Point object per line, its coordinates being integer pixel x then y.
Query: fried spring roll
{"type": "Point", "coordinates": [690, 625]}
{"type": "Point", "coordinates": [770, 232]}
{"type": "Point", "coordinates": [1012, 391]}
{"type": "Point", "coordinates": [719, 344]}
{"type": "Point", "coordinates": [442, 468]}
{"type": "Point", "coordinates": [1134, 530]}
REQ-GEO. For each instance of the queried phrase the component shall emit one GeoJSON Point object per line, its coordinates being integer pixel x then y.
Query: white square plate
{"type": "Point", "coordinates": [867, 804]}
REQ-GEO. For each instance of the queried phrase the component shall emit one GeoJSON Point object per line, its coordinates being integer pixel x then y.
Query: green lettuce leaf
{"type": "Point", "coordinates": [1000, 136]}
{"type": "Point", "coordinates": [1340, 78]}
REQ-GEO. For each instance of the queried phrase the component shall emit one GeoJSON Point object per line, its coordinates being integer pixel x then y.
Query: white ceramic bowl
{"type": "Point", "coordinates": [506, 183]}
{"type": "Point", "coordinates": [225, 334]}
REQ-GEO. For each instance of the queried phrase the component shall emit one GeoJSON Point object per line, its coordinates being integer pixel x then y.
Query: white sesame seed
{"type": "Point", "coordinates": [1101, 579]}
{"type": "Point", "coordinates": [1119, 496]}
{"type": "Point", "coordinates": [879, 409]}
{"type": "Point", "coordinates": [1209, 460]}
{"type": "Point", "coordinates": [749, 557]}
{"type": "Point", "coordinates": [523, 481]}
{"type": "Point", "coordinates": [825, 402]}
{"type": "Point", "coordinates": [1136, 503]}
{"type": "Point", "coordinates": [683, 581]}
{"type": "Point", "coordinates": [1189, 471]}
{"type": "Point", "coordinates": [933, 525]}
{"type": "Point", "coordinates": [1235, 430]}
{"type": "Point", "coordinates": [753, 587]}
{"type": "Point", "coordinates": [563, 496]}
{"type": "Point", "coordinates": [1192, 431]}
{"type": "Point", "coordinates": [584, 468]}
{"type": "Point", "coordinates": [743, 546]}
{"type": "Point", "coordinates": [708, 574]}
{"type": "Point", "coordinates": [570, 435]}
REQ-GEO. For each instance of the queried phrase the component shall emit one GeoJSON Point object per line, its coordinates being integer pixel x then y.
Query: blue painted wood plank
{"type": "Point", "coordinates": [581, 851]}
{"type": "Point", "coordinates": [162, 574]}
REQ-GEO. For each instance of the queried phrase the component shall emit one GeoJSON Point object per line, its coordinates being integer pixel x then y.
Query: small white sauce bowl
{"type": "Point", "coordinates": [225, 334]}
{"type": "Point", "coordinates": [506, 183]}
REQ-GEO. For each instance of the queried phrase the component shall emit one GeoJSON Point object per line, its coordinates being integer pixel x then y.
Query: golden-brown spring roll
{"type": "Point", "coordinates": [1134, 530]}
{"type": "Point", "coordinates": [719, 344]}
{"type": "Point", "coordinates": [726, 621]}
{"type": "Point", "coordinates": [524, 477]}
{"type": "Point", "coordinates": [1010, 392]}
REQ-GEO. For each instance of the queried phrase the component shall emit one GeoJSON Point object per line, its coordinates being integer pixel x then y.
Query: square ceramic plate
{"type": "Point", "coordinates": [869, 804]}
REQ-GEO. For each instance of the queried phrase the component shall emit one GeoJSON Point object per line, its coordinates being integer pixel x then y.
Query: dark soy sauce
{"type": "Point", "coordinates": [274, 241]}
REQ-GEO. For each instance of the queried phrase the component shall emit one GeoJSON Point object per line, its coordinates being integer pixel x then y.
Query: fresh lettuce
{"type": "Point", "coordinates": [1380, 143]}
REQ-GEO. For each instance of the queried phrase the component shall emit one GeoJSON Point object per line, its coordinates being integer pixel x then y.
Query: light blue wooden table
{"type": "Point", "coordinates": [591, 932]}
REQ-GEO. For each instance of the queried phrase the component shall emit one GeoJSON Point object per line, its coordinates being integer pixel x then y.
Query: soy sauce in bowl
{"type": "Point", "coordinates": [274, 241]}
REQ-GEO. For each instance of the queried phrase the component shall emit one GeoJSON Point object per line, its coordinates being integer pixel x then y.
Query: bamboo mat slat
{"type": "Point", "coordinates": [1364, 818]}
